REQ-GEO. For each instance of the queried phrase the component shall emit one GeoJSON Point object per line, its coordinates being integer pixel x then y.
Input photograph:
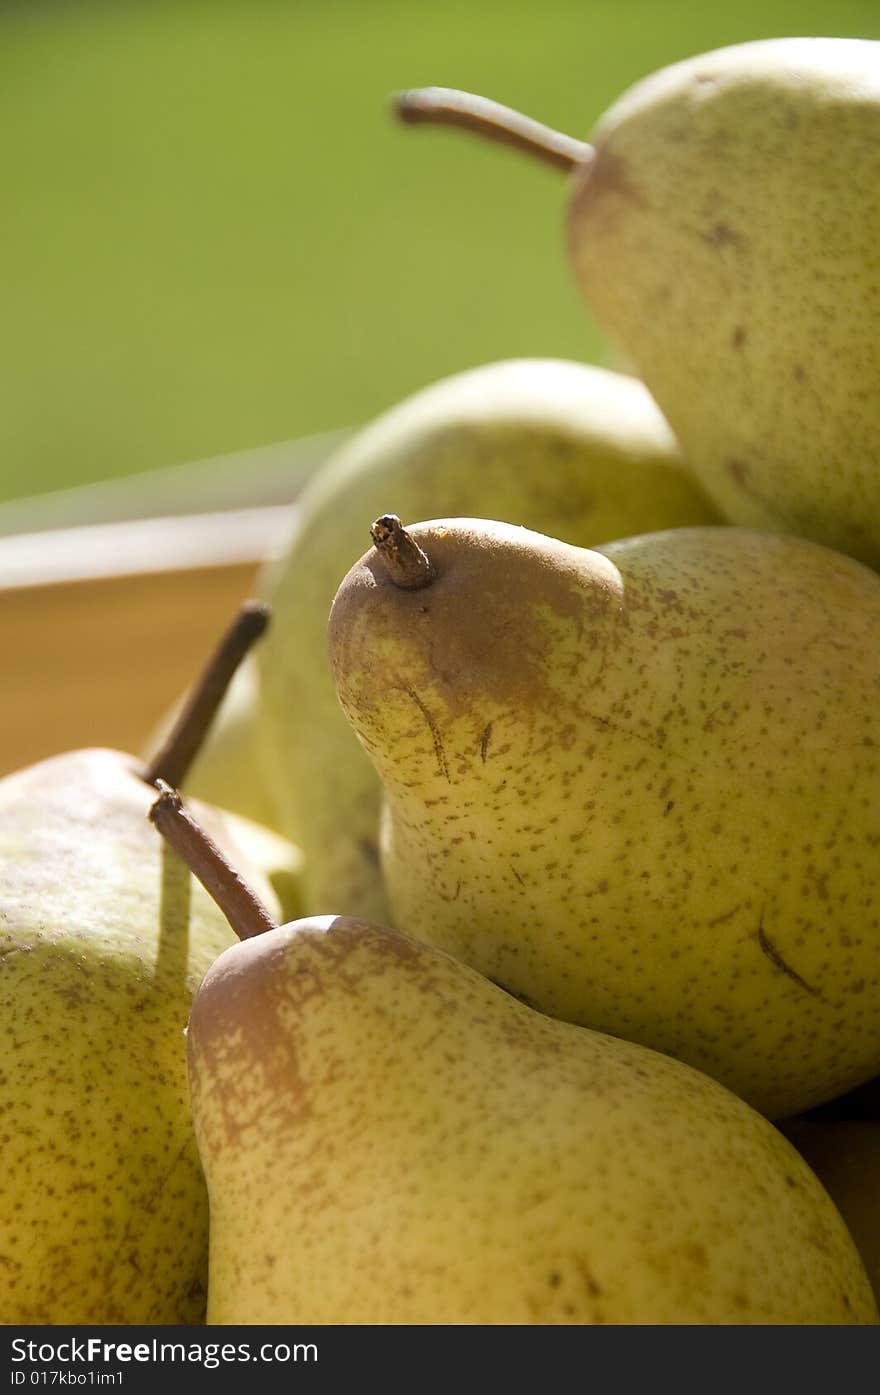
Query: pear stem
{"type": "Point", "coordinates": [405, 562]}
{"type": "Point", "coordinates": [173, 761]}
{"type": "Point", "coordinates": [242, 907]}
{"type": "Point", "coordinates": [445, 106]}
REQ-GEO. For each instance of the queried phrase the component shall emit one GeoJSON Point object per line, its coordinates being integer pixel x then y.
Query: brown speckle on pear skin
{"type": "Point", "coordinates": [432, 727]}
{"type": "Point", "coordinates": [485, 738]}
{"type": "Point", "coordinates": [738, 470]}
{"type": "Point", "coordinates": [773, 954]}
{"type": "Point", "coordinates": [722, 235]}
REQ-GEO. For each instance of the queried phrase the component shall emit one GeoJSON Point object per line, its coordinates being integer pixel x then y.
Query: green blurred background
{"type": "Point", "coordinates": [214, 237]}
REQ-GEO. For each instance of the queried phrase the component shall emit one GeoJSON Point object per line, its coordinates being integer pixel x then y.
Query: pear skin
{"type": "Point", "coordinates": [725, 235]}
{"type": "Point", "coordinates": [104, 938]}
{"type": "Point", "coordinates": [638, 785]}
{"type": "Point", "coordinates": [570, 449]}
{"type": "Point", "coordinates": [389, 1138]}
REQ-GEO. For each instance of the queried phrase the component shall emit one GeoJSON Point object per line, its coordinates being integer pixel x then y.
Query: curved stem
{"type": "Point", "coordinates": [183, 743]}
{"type": "Point", "coordinates": [242, 907]}
{"type": "Point", "coordinates": [445, 106]}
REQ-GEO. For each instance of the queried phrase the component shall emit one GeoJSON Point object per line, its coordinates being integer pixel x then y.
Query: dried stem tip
{"type": "Point", "coordinates": [445, 106]}
{"type": "Point", "coordinates": [405, 562]}
{"type": "Point", "coordinates": [242, 907]}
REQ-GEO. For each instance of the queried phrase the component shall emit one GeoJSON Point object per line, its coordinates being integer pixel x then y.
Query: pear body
{"type": "Point", "coordinates": [638, 785]}
{"type": "Point", "coordinates": [389, 1138]}
{"type": "Point", "coordinates": [104, 937]}
{"type": "Point", "coordinates": [726, 236]}
{"type": "Point", "coordinates": [574, 450]}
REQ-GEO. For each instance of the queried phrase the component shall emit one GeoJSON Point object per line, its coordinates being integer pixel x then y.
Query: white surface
{"type": "Point", "coordinates": [143, 545]}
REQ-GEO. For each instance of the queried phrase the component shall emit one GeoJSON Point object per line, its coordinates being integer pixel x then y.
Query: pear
{"type": "Point", "coordinates": [723, 228]}
{"type": "Point", "coordinates": [751, 174]}
{"type": "Point", "coordinates": [637, 785]}
{"type": "Point", "coordinates": [577, 451]}
{"type": "Point", "coordinates": [103, 940]}
{"type": "Point", "coordinates": [389, 1138]}
{"type": "Point", "coordinates": [103, 1212]}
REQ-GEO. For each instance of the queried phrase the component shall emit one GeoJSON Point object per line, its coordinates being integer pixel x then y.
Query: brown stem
{"type": "Point", "coordinates": [242, 907]}
{"type": "Point", "coordinates": [405, 562]}
{"type": "Point", "coordinates": [180, 748]}
{"type": "Point", "coordinates": [444, 106]}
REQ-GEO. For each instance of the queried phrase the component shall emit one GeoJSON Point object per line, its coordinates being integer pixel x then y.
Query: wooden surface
{"type": "Point", "coordinates": [98, 661]}
{"type": "Point", "coordinates": [113, 595]}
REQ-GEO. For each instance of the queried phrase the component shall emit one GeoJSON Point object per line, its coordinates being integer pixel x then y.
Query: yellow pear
{"type": "Point", "coordinates": [574, 450]}
{"type": "Point", "coordinates": [637, 785]}
{"type": "Point", "coordinates": [103, 939]}
{"type": "Point", "coordinates": [726, 236]}
{"type": "Point", "coordinates": [723, 226]}
{"type": "Point", "coordinates": [389, 1138]}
